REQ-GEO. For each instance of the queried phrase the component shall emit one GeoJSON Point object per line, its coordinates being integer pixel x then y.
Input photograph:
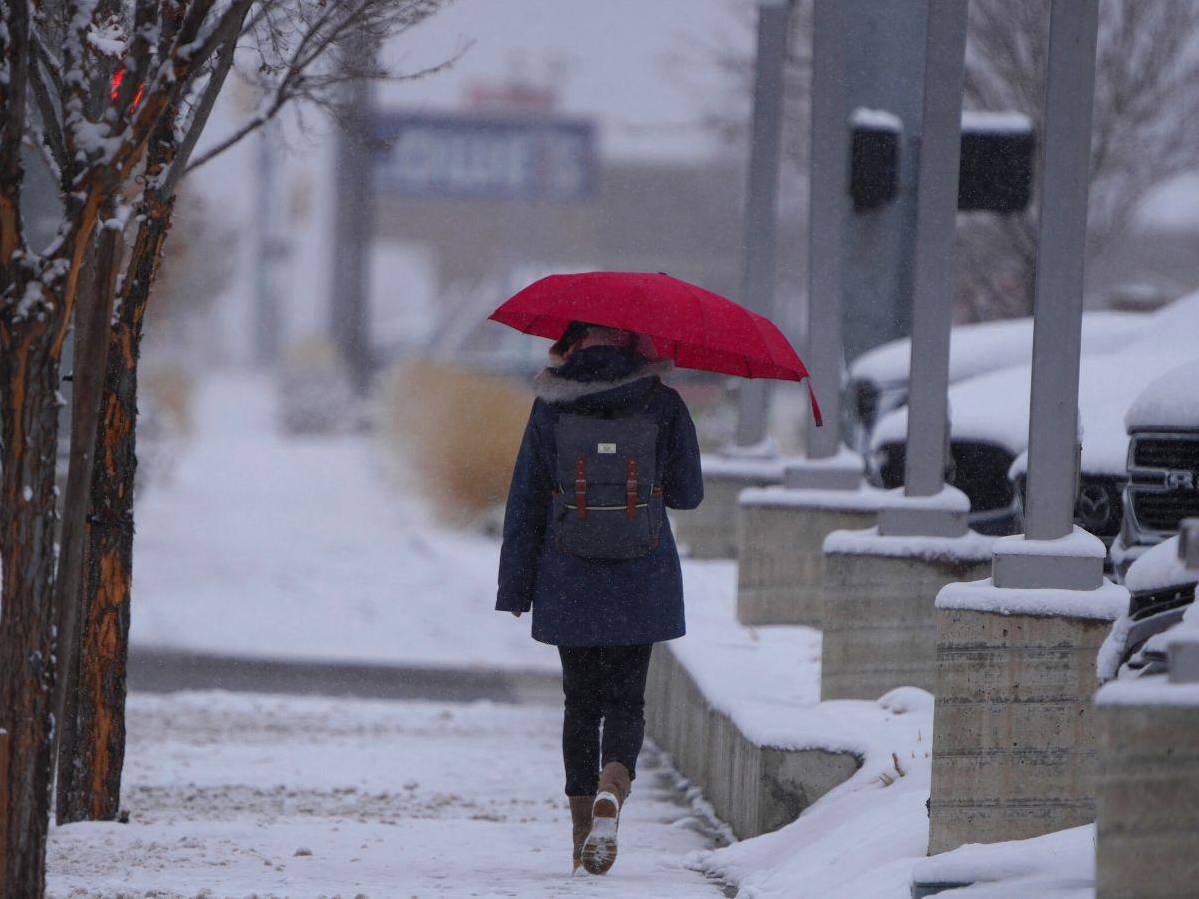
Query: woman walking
{"type": "Point", "coordinates": [588, 548]}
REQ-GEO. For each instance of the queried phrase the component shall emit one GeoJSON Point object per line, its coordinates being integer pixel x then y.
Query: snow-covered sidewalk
{"type": "Point", "coordinates": [234, 795]}
{"type": "Point", "coordinates": [270, 546]}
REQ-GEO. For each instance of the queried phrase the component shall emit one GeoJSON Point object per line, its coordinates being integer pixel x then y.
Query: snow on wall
{"type": "Point", "coordinates": [971, 548]}
{"type": "Point", "coordinates": [1108, 602]}
{"type": "Point", "coordinates": [1068, 855]}
{"type": "Point", "coordinates": [865, 498]}
{"type": "Point", "coordinates": [748, 467]}
{"type": "Point", "coordinates": [996, 122]}
{"type": "Point", "coordinates": [875, 119]}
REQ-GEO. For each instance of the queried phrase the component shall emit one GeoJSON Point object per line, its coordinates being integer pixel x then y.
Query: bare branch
{"type": "Point", "coordinates": [321, 33]}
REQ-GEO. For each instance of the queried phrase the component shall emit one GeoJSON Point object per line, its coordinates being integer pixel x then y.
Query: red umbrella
{"type": "Point", "coordinates": [696, 328]}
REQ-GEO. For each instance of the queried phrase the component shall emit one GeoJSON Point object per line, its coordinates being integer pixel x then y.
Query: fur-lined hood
{"type": "Point", "coordinates": [551, 387]}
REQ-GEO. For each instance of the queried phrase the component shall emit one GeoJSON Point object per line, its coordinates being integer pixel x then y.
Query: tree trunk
{"type": "Point", "coordinates": [28, 445]}
{"type": "Point", "coordinates": [98, 751]}
{"type": "Point", "coordinates": [93, 315]}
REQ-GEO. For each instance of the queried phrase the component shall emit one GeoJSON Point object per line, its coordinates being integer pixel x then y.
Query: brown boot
{"type": "Point", "coordinates": [599, 849]}
{"type": "Point", "coordinates": [580, 820]}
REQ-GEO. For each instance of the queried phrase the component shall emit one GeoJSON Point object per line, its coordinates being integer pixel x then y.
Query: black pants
{"type": "Point", "coordinates": [602, 683]}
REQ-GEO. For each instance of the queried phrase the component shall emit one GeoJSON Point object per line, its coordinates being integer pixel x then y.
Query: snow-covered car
{"type": "Point", "coordinates": [1109, 386]}
{"type": "Point", "coordinates": [1163, 462]}
{"type": "Point", "coordinates": [878, 379]}
{"type": "Point", "coordinates": [1161, 589]}
{"type": "Point", "coordinates": [989, 424]}
{"type": "Point", "coordinates": [988, 430]}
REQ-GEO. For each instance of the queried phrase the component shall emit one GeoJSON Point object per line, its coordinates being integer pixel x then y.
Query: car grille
{"type": "Point", "coordinates": [1167, 453]}
{"type": "Point", "coordinates": [1162, 511]}
{"type": "Point", "coordinates": [1164, 474]}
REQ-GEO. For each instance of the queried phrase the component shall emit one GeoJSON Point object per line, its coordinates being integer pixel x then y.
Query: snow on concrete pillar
{"type": "Point", "coordinates": [1013, 729]}
{"type": "Point", "coordinates": [879, 625]}
{"type": "Point", "coordinates": [1147, 829]}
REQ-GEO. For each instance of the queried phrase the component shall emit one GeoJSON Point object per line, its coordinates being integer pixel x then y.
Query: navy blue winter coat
{"type": "Point", "coordinates": [587, 602]}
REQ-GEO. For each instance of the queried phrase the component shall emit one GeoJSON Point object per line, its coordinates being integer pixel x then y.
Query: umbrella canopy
{"type": "Point", "coordinates": [696, 328]}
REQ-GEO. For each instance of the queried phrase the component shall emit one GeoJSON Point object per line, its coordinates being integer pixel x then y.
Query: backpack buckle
{"type": "Point", "coordinates": [630, 508]}
{"type": "Point", "coordinates": [581, 486]}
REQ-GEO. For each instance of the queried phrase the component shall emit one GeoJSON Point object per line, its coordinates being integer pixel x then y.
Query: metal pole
{"type": "Point", "coordinates": [932, 282]}
{"type": "Point", "coordinates": [266, 306]}
{"type": "Point", "coordinates": [761, 207]}
{"type": "Point", "coordinates": [353, 234]}
{"type": "Point", "coordinates": [828, 194]}
{"type": "Point", "coordinates": [1053, 424]}
{"type": "Point", "coordinates": [936, 216]}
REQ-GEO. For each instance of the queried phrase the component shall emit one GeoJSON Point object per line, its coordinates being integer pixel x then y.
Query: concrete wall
{"type": "Point", "coordinates": [780, 579]}
{"type": "Point", "coordinates": [1148, 801]}
{"type": "Point", "coordinates": [1013, 730]}
{"type": "Point", "coordinates": [754, 789]}
{"type": "Point", "coordinates": [879, 621]}
{"type": "Point", "coordinates": [710, 532]}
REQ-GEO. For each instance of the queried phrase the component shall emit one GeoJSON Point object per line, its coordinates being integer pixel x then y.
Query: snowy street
{"type": "Point", "coordinates": [234, 795]}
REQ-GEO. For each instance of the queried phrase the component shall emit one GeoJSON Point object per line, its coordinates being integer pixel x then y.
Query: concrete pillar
{"type": "Point", "coordinates": [879, 624]}
{"type": "Point", "coordinates": [1147, 832]}
{"type": "Point", "coordinates": [711, 531]}
{"type": "Point", "coordinates": [780, 578]}
{"type": "Point", "coordinates": [1013, 731]}
{"type": "Point", "coordinates": [761, 205]}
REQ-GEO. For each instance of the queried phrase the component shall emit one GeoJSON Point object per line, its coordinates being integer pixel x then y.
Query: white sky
{"type": "Point", "coordinates": [616, 60]}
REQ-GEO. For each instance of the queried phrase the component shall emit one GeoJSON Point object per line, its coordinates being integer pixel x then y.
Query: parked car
{"type": "Point", "coordinates": [878, 379]}
{"type": "Point", "coordinates": [988, 429]}
{"type": "Point", "coordinates": [1109, 387]}
{"type": "Point", "coordinates": [988, 433]}
{"type": "Point", "coordinates": [1163, 463]}
{"type": "Point", "coordinates": [989, 424]}
{"type": "Point", "coordinates": [1161, 590]}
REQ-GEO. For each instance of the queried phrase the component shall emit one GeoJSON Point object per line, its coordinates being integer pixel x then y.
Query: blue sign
{"type": "Point", "coordinates": [423, 155]}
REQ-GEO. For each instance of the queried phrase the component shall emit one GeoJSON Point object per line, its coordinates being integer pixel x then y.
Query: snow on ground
{"type": "Point", "coordinates": [276, 546]}
{"type": "Point", "coordinates": [234, 795]}
{"type": "Point", "coordinates": [1058, 865]}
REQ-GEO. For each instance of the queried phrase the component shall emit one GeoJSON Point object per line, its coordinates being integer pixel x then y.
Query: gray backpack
{"type": "Point", "coordinates": [607, 500]}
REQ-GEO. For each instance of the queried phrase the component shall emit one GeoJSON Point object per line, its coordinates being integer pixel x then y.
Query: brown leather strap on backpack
{"type": "Point", "coordinates": [630, 508]}
{"type": "Point", "coordinates": [581, 486]}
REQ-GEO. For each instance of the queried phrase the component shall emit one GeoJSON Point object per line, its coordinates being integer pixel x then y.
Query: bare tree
{"type": "Point", "coordinates": [1145, 132]}
{"type": "Point", "coordinates": [114, 94]}
{"type": "Point", "coordinates": [727, 113]}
